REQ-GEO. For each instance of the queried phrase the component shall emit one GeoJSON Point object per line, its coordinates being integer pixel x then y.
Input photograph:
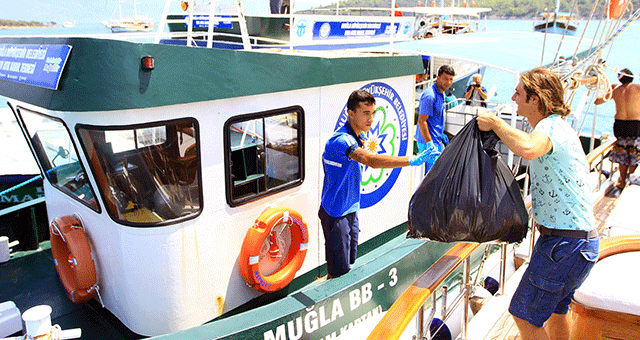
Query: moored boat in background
{"type": "Point", "coordinates": [136, 23]}
{"type": "Point", "coordinates": [556, 22]}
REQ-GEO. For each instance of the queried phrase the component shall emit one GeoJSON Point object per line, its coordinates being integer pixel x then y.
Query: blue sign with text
{"type": "Point", "coordinates": [202, 21]}
{"type": "Point", "coordinates": [37, 65]}
{"type": "Point", "coordinates": [342, 30]}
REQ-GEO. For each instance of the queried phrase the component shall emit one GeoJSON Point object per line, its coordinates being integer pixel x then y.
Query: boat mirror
{"type": "Point", "coordinates": [62, 152]}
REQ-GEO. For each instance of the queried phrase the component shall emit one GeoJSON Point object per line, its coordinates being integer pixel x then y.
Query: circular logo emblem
{"type": "Point", "coordinates": [325, 29]}
{"type": "Point", "coordinates": [389, 135]}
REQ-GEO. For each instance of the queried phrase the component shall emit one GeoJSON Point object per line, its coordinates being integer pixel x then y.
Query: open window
{"type": "Point", "coordinates": [263, 154]}
{"type": "Point", "coordinates": [149, 174]}
{"type": "Point", "coordinates": [57, 155]}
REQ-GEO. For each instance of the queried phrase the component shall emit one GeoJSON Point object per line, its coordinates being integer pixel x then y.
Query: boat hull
{"type": "Point", "coordinates": [556, 27]}
{"type": "Point", "coordinates": [331, 308]}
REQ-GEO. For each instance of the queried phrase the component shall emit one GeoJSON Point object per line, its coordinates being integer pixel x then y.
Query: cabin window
{"type": "Point", "coordinates": [58, 157]}
{"type": "Point", "coordinates": [263, 154]}
{"type": "Point", "coordinates": [147, 175]}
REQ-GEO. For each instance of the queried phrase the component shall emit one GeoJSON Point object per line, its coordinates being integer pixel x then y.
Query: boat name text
{"type": "Point", "coordinates": [318, 316]}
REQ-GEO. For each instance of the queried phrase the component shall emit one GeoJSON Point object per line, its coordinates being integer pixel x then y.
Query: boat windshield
{"type": "Point", "coordinates": [58, 157]}
{"type": "Point", "coordinates": [147, 175]}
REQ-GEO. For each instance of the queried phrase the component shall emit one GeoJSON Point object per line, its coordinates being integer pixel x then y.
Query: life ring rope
{"type": "Point", "coordinates": [262, 239]}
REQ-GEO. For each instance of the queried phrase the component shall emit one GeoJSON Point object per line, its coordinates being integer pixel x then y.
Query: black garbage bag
{"type": "Point", "coordinates": [469, 195]}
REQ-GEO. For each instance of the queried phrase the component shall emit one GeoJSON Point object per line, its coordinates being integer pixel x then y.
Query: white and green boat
{"type": "Point", "coordinates": [167, 155]}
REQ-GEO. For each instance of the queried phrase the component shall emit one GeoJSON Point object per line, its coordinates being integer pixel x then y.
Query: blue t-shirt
{"type": "Point", "coordinates": [432, 105]}
{"type": "Point", "coordinates": [559, 180]}
{"type": "Point", "coordinates": [342, 176]}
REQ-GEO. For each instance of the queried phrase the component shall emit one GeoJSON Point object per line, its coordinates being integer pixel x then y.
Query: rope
{"type": "Point", "coordinates": [17, 186]}
{"type": "Point", "coordinates": [566, 28]}
{"type": "Point", "coordinates": [602, 84]}
{"type": "Point", "coordinates": [593, 10]}
{"type": "Point", "coordinates": [54, 334]}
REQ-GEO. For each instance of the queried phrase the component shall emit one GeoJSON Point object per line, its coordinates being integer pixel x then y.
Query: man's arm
{"type": "Point", "coordinates": [529, 146]}
{"type": "Point", "coordinates": [468, 92]}
{"type": "Point", "coordinates": [481, 91]}
{"type": "Point", "coordinates": [600, 99]}
{"type": "Point", "coordinates": [423, 125]}
{"type": "Point", "coordinates": [378, 161]}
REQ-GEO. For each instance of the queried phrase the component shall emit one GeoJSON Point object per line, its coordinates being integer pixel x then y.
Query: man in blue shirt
{"type": "Point", "coordinates": [568, 246]}
{"type": "Point", "coordinates": [340, 200]}
{"type": "Point", "coordinates": [430, 127]}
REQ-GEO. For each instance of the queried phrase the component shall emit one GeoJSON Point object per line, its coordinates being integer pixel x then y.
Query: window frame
{"type": "Point", "coordinates": [43, 173]}
{"type": "Point", "coordinates": [143, 126]}
{"type": "Point", "coordinates": [235, 202]}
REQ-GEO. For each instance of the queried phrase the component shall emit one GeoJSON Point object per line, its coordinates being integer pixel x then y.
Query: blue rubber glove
{"type": "Point", "coordinates": [430, 161]}
{"type": "Point", "coordinates": [430, 146]}
{"type": "Point", "coordinates": [428, 154]}
{"type": "Point", "coordinates": [445, 140]}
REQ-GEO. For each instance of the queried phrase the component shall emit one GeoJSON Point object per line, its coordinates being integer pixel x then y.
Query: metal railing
{"type": "Point", "coordinates": [596, 158]}
{"type": "Point", "coordinates": [412, 300]}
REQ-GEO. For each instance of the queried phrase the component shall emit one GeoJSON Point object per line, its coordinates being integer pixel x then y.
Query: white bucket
{"type": "Point", "coordinates": [37, 320]}
{"type": "Point", "coordinates": [4, 249]}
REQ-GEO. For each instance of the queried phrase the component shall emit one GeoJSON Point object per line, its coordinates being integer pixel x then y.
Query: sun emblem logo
{"type": "Point", "coordinates": [388, 135]}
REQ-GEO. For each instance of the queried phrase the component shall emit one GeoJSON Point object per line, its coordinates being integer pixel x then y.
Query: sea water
{"type": "Point", "coordinates": [623, 53]}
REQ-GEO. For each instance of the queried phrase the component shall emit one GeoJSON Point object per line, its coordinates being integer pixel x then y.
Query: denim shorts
{"type": "Point", "coordinates": [557, 268]}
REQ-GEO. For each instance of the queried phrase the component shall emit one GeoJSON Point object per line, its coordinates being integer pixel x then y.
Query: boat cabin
{"type": "Point", "coordinates": [166, 155]}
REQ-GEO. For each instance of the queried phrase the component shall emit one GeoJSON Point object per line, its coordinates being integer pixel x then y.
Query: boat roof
{"type": "Point", "coordinates": [513, 52]}
{"type": "Point", "coordinates": [464, 11]}
{"type": "Point", "coordinates": [566, 14]}
{"type": "Point", "coordinates": [450, 11]}
{"type": "Point", "coordinates": [110, 70]}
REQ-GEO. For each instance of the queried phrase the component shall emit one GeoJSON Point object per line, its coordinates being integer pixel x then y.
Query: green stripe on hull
{"type": "Point", "coordinates": [106, 74]}
{"type": "Point", "coordinates": [329, 308]}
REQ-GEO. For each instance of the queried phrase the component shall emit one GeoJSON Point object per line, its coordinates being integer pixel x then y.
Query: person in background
{"type": "Point", "coordinates": [275, 6]}
{"type": "Point", "coordinates": [340, 199]}
{"type": "Point", "coordinates": [475, 93]}
{"type": "Point", "coordinates": [568, 246]}
{"type": "Point", "coordinates": [430, 126]}
{"type": "Point", "coordinates": [626, 127]}
{"type": "Point", "coordinates": [285, 8]}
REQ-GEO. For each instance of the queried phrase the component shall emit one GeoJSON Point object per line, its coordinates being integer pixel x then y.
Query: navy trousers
{"type": "Point", "coordinates": [340, 241]}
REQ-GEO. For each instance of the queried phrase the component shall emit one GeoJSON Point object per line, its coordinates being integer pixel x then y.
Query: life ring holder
{"type": "Point", "coordinates": [257, 237]}
{"type": "Point", "coordinates": [72, 257]}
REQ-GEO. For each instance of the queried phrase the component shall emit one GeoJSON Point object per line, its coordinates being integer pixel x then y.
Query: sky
{"type": "Point", "coordinates": [94, 11]}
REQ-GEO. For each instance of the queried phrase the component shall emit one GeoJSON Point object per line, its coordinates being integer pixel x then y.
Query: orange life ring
{"type": "Point", "coordinates": [261, 246]}
{"type": "Point", "coordinates": [72, 256]}
{"type": "Point", "coordinates": [616, 8]}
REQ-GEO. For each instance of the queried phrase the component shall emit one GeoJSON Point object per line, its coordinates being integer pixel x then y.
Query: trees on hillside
{"type": "Point", "coordinates": [502, 8]}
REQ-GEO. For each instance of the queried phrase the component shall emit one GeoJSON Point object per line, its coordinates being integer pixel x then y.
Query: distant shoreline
{"type": "Point", "coordinates": [14, 27]}
{"type": "Point", "coordinates": [9, 24]}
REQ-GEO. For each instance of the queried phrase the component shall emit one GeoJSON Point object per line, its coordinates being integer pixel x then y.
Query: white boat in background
{"type": "Point", "coordinates": [137, 23]}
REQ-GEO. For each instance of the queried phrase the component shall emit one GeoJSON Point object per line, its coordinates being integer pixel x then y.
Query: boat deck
{"type": "Point", "coordinates": [30, 279]}
{"type": "Point", "coordinates": [614, 216]}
